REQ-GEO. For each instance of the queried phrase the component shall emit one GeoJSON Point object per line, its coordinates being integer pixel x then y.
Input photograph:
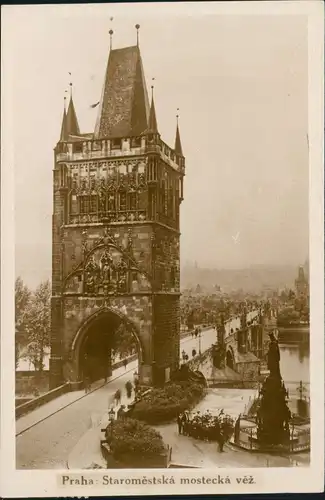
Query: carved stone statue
{"type": "Point", "coordinates": [273, 415]}
{"type": "Point", "coordinates": [91, 276]}
{"type": "Point", "coordinates": [107, 263]}
{"type": "Point", "coordinates": [273, 357]}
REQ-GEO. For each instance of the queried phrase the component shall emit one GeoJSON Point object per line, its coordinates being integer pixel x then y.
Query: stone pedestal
{"type": "Point", "coordinates": [273, 415]}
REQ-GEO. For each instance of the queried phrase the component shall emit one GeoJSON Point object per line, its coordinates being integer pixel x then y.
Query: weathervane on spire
{"type": "Point", "coordinates": [152, 87]}
{"type": "Point", "coordinates": [177, 115]}
{"type": "Point", "coordinates": [70, 84]}
{"type": "Point", "coordinates": [137, 27]}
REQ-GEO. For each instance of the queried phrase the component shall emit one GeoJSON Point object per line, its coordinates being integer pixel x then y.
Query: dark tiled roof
{"type": "Point", "coordinates": [124, 106]}
{"type": "Point", "coordinates": [178, 144]}
{"type": "Point", "coordinates": [153, 127]}
{"type": "Point", "coordinates": [63, 135]}
{"type": "Point", "coordinates": [72, 126]}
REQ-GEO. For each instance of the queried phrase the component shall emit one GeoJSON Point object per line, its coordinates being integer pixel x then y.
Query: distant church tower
{"type": "Point", "coordinates": [116, 201]}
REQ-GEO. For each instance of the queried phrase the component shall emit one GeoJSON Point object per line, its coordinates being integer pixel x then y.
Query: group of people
{"type": "Point", "coordinates": [196, 332]}
{"type": "Point", "coordinates": [206, 427]}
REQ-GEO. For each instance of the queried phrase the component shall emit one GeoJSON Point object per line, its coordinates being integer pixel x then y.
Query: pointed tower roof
{"type": "Point", "coordinates": [178, 144]}
{"type": "Point", "coordinates": [152, 126]}
{"type": "Point", "coordinates": [63, 135]}
{"type": "Point", "coordinates": [124, 105]}
{"type": "Point", "coordinates": [72, 126]}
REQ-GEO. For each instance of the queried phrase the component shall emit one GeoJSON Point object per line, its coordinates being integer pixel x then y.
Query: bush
{"type": "Point", "coordinates": [162, 405]}
{"type": "Point", "coordinates": [133, 439]}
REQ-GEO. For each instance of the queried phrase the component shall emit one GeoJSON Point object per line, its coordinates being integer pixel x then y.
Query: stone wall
{"type": "Point", "coordinates": [166, 259]}
{"type": "Point", "coordinates": [248, 370]}
{"type": "Point", "coordinates": [28, 381]}
{"type": "Point", "coordinates": [166, 335]}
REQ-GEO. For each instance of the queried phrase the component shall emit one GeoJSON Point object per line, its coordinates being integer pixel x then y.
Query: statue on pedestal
{"type": "Point", "coordinates": [273, 415]}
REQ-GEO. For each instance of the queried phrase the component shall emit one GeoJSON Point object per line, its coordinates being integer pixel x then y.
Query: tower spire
{"type": "Point", "coordinates": [178, 144]}
{"type": "Point", "coordinates": [63, 134]}
{"type": "Point", "coordinates": [72, 125]}
{"type": "Point", "coordinates": [152, 115]}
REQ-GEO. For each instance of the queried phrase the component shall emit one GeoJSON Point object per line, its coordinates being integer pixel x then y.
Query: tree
{"type": "Point", "coordinates": [133, 439]}
{"type": "Point", "coordinates": [22, 299]}
{"type": "Point", "coordinates": [38, 325]}
{"type": "Point", "coordinates": [124, 342]}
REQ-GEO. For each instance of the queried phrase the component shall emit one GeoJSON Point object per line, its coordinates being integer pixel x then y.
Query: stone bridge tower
{"type": "Point", "coordinates": [116, 201]}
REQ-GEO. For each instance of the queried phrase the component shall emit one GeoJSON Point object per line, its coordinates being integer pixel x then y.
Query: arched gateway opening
{"type": "Point", "coordinates": [105, 341]}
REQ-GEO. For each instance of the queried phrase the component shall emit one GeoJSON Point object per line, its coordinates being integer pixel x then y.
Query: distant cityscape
{"type": "Point", "coordinates": [255, 279]}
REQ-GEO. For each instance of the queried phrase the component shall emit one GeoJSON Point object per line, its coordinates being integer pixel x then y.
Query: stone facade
{"type": "Point", "coordinates": [116, 238]}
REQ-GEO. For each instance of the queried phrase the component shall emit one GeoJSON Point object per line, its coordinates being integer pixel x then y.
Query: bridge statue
{"type": "Point", "coordinates": [273, 357]}
{"type": "Point", "coordinates": [273, 415]}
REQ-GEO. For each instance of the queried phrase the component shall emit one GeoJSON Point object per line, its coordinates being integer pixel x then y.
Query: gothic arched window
{"type": "Point", "coordinates": [132, 195]}
{"type": "Point", "coordinates": [122, 196]}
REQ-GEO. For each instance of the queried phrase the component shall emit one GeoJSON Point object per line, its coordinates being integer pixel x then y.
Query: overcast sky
{"type": "Point", "coordinates": [241, 85]}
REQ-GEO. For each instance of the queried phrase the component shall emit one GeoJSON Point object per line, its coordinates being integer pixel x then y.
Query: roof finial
{"type": "Point", "coordinates": [110, 38]}
{"type": "Point", "coordinates": [152, 87]}
{"type": "Point", "coordinates": [137, 27]}
{"type": "Point", "coordinates": [65, 100]}
{"type": "Point", "coordinates": [177, 116]}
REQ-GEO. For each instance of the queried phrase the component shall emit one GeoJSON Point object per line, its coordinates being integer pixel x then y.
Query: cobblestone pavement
{"type": "Point", "coordinates": [196, 453]}
{"type": "Point", "coordinates": [47, 444]}
{"type": "Point", "coordinates": [193, 452]}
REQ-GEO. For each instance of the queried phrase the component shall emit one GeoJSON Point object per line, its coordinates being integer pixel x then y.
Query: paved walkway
{"type": "Point", "coordinates": [34, 417]}
{"type": "Point", "coordinates": [193, 452]}
{"type": "Point", "coordinates": [58, 404]}
{"type": "Point", "coordinates": [47, 435]}
{"type": "Point", "coordinates": [187, 451]}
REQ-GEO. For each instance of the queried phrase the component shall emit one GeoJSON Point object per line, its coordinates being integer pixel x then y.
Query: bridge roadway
{"type": "Point", "coordinates": [46, 436]}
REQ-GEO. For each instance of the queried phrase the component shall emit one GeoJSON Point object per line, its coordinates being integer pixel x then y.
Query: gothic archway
{"type": "Point", "coordinates": [97, 343]}
{"type": "Point", "coordinates": [230, 360]}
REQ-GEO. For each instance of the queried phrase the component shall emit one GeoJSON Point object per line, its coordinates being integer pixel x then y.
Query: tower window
{"type": "Point", "coordinates": [93, 203]}
{"type": "Point", "coordinates": [135, 142]}
{"type": "Point", "coordinates": [87, 204]}
{"type": "Point", "coordinates": [116, 144]}
{"type": "Point", "coordinates": [133, 201]}
{"type": "Point", "coordinates": [123, 200]}
{"type": "Point", "coordinates": [84, 204]}
{"type": "Point", "coordinates": [77, 147]}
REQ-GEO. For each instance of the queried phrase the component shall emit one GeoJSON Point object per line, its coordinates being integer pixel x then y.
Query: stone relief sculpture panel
{"type": "Point", "coordinates": [107, 271]}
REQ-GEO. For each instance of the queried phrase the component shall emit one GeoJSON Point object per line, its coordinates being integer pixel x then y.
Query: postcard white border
{"type": "Point", "coordinates": [36, 483]}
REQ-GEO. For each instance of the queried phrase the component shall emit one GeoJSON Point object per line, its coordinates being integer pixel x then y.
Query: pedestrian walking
{"type": "Point", "coordinates": [121, 412]}
{"type": "Point", "coordinates": [117, 397]}
{"type": "Point", "coordinates": [221, 442]}
{"type": "Point", "coordinates": [125, 363]}
{"type": "Point", "coordinates": [180, 423]}
{"type": "Point", "coordinates": [128, 388]}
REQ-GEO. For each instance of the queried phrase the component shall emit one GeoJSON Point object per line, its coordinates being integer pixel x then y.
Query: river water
{"type": "Point", "coordinates": [294, 366]}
